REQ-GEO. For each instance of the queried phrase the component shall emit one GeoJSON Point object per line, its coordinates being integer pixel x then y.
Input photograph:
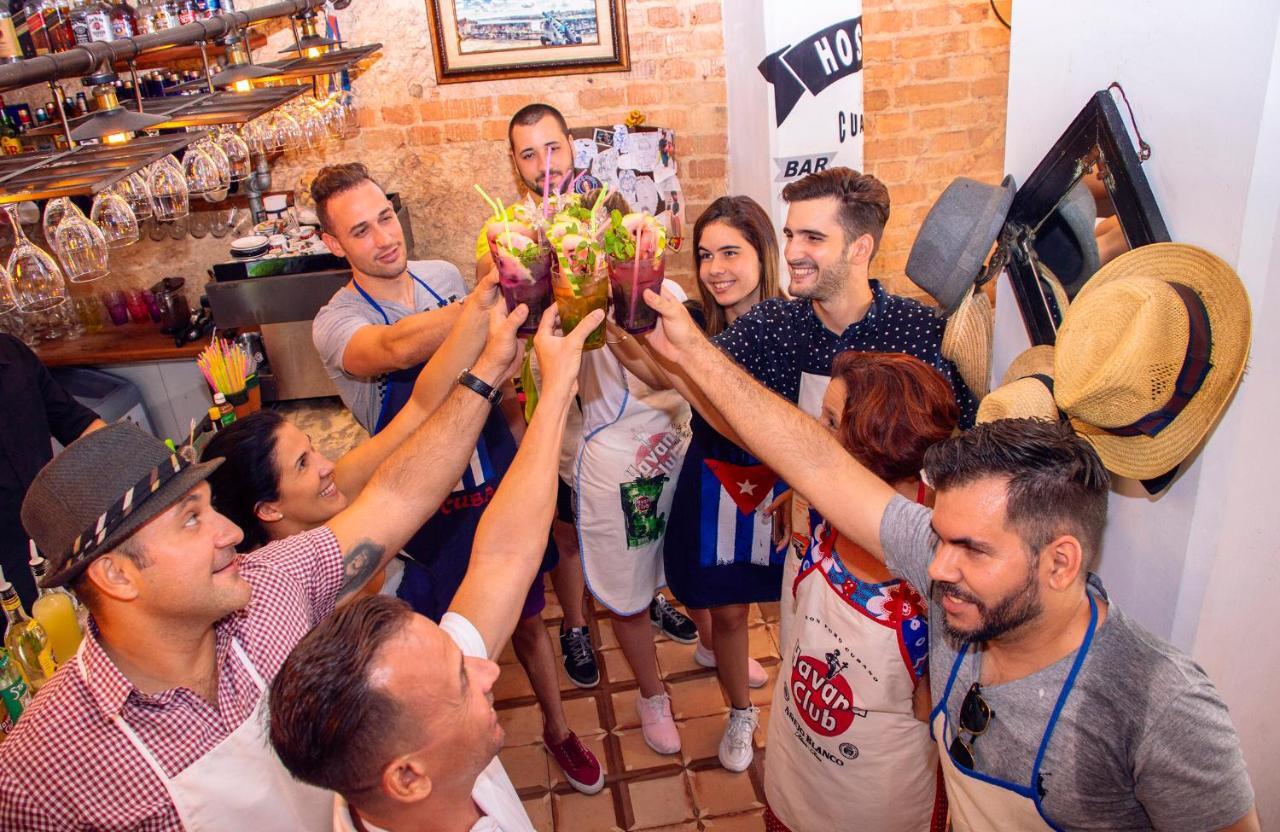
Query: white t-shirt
{"type": "Point", "coordinates": [493, 792]}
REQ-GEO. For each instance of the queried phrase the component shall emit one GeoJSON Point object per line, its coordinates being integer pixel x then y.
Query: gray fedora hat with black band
{"type": "Point", "coordinates": [99, 491]}
{"type": "Point", "coordinates": [956, 237]}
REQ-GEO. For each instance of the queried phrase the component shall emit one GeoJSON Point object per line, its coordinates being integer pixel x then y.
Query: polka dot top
{"type": "Point", "coordinates": [778, 339]}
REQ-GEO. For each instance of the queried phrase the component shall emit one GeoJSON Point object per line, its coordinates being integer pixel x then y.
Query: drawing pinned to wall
{"type": "Point", "coordinates": [637, 162]}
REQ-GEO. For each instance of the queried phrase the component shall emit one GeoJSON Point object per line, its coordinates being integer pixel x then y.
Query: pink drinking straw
{"type": "Point", "coordinates": [635, 276]}
{"type": "Point", "coordinates": [546, 183]}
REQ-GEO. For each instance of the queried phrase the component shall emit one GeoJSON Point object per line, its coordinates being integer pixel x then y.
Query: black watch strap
{"type": "Point", "coordinates": [472, 382]}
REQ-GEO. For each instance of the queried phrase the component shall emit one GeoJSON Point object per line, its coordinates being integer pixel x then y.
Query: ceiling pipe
{"type": "Point", "coordinates": [83, 59]}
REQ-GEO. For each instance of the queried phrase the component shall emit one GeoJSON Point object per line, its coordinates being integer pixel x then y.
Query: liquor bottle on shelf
{"type": "Point", "coordinates": [186, 11]}
{"type": "Point", "coordinates": [42, 115]}
{"type": "Point", "coordinates": [9, 140]}
{"type": "Point", "coordinates": [82, 104]}
{"type": "Point", "coordinates": [57, 22]}
{"type": "Point", "coordinates": [25, 639]}
{"type": "Point", "coordinates": [79, 22]}
{"type": "Point", "coordinates": [145, 24]}
{"type": "Point", "coordinates": [98, 15]}
{"type": "Point", "coordinates": [55, 609]}
{"type": "Point", "coordinates": [163, 15]}
{"type": "Point", "coordinates": [10, 49]}
{"type": "Point", "coordinates": [15, 696]}
{"type": "Point", "coordinates": [37, 31]}
{"type": "Point", "coordinates": [124, 20]}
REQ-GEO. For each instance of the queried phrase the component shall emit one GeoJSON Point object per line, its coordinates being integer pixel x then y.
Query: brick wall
{"type": "Point", "coordinates": [935, 90]}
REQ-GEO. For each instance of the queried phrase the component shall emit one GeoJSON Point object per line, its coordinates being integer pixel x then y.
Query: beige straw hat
{"type": "Point", "coordinates": [1149, 353]}
{"type": "Point", "coordinates": [966, 341]}
{"type": "Point", "coordinates": [1026, 391]}
{"type": "Point", "coordinates": [1047, 277]}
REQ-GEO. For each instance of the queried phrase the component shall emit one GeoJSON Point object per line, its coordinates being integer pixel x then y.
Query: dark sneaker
{"type": "Point", "coordinates": [580, 766]}
{"type": "Point", "coordinates": [579, 658]}
{"type": "Point", "coordinates": [671, 621]}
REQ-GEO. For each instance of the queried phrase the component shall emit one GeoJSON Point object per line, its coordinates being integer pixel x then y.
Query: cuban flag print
{"type": "Point", "coordinates": [733, 528]}
{"type": "Point", "coordinates": [479, 471]}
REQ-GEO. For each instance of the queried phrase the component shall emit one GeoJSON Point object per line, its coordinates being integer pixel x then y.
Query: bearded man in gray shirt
{"type": "Point", "coordinates": [1052, 708]}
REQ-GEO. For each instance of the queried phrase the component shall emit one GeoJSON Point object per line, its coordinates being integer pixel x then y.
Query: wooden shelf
{"type": "Point", "coordinates": [125, 344]}
{"type": "Point", "coordinates": [168, 58]}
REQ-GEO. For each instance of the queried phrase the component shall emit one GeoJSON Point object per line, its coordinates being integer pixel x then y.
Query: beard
{"type": "Point", "coordinates": [1008, 614]}
{"type": "Point", "coordinates": [828, 283]}
{"type": "Point", "coordinates": [557, 179]}
{"type": "Point", "coordinates": [373, 268]}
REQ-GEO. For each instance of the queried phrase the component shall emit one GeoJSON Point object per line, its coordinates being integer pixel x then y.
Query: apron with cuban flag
{"type": "Point", "coordinates": [719, 548]}
{"type": "Point", "coordinates": [441, 550]}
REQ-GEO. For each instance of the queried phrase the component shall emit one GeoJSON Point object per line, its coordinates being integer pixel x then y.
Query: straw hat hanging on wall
{"type": "Point", "coordinates": [1149, 353]}
{"type": "Point", "coordinates": [1026, 391]}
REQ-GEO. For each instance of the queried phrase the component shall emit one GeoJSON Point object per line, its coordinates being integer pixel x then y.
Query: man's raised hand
{"type": "Point", "coordinates": [560, 356]}
{"type": "Point", "coordinates": [677, 330]}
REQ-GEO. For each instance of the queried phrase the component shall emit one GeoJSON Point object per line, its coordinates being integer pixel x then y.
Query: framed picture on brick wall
{"type": "Point", "coordinates": [481, 40]}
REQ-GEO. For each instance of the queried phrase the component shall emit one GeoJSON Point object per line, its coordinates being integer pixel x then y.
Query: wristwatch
{"type": "Point", "coordinates": [473, 382]}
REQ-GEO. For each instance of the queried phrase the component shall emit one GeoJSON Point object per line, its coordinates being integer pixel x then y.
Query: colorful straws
{"type": "Point", "coordinates": [225, 366]}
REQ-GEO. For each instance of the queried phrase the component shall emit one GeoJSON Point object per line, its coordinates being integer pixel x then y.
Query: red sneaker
{"type": "Point", "coordinates": [580, 766]}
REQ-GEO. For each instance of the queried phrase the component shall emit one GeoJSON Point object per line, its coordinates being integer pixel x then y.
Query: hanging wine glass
{"type": "Point", "coordinates": [201, 171]}
{"type": "Point", "coordinates": [37, 280]}
{"type": "Point", "coordinates": [134, 190]}
{"type": "Point", "coordinates": [237, 152]}
{"type": "Point", "coordinates": [223, 164]}
{"type": "Point", "coordinates": [8, 297]}
{"type": "Point", "coordinates": [54, 211]}
{"type": "Point", "coordinates": [81, 247]}
{"type": "Point", "coordinates": [289, 133]}
{"type": "Point", "coordinates": [169, 194]}
{"type": "Point", "coordinates": [115, 219]}
{"type": "Point", "coordinates": [254, 134]}
{"type": "Point", "coordinates": [351, 117]}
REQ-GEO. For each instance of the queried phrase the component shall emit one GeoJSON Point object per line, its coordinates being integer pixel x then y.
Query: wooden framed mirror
{"type": "Point", "coordinates": [1085, 203]}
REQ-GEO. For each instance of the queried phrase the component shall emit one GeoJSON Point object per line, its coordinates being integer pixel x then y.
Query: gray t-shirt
{"type": "Point", "coordinates": [1143, 742]}
{"type": "Point", "coordinates": [347, 311]}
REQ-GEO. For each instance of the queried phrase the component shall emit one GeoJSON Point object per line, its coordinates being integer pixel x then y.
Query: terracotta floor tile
{"type": "Point", "coordinates": [583, 716]}
{"type": "Point", "coordinates": [769, 609]}
{"type": "Point", "coordinates": [661, 801]}
{"type": "Point", "coordinates": [700, 738]}
{"type": "Point", "coordinates": [624, 709]}
{"type": "Point", "coordinates": [523, 724]}
{"type": "Point", "coordinates": [762, 728]}
{"type": "Point", "coordinates": [745, 822]}
{"type": "Point", "coordinates": [508, 655]}
{"type": "Point", "coordinates": [576, 812]}
{"type": "Point", "coordinates": [760, 644]}
{"type": "Point", "coordinates": [674, 657]}
{"type": "Point", "coordinates": [553, 633]}
{"type": "Point", "coordinates": [720, 792]}
{"type": "Point", "coordinates": [697, 697]}
{"type": "Point", "coordinates": [637, 755]}
{"type": "Point", "coordinates": [595, 744]}
{"type": "Point", "coordinates": [617, 669]}
{"type": "Point", "coordinates": [512, 683]}
{"type": "Point", "coordinates": [688, 826]}
{"type": "Point", "coordinates": [526, 765]}
{"type": "Point", "coordinates": [539, 811]}
{"type": "Point", "coordinates": [607, 640]}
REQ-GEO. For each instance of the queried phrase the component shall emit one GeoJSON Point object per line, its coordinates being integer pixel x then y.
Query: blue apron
{"type": "Point", "coordinates": [980, 802]}
{"type": "Point", "coordinates": [441, 550]}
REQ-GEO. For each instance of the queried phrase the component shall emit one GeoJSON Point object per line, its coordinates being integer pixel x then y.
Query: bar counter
{"type": "Point", "coordinates": [125, 344]}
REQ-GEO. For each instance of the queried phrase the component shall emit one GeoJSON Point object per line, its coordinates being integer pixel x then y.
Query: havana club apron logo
{"type": "Point", "coordinates": [822, 695]}
{"type": "Point", "coordinates": [656, 454]}
{"type": "Point", "coordinates": [643, 523]}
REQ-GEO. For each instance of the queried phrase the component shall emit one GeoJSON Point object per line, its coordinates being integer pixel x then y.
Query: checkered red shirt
{"type": "Point", "coordinates": [68, 766]}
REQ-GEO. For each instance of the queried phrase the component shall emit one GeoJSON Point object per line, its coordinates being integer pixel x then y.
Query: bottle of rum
{"type": "Point", "coordinates": [25, 639]}
{"type": "Point", "coordinates": [55, 609]}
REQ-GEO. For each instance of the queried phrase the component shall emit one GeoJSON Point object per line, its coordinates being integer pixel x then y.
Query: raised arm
{"type": "Point", "coordinates": [459, 351]}
{"type": "Point", "coordinates": [380, 348]}
{"type": "Point", "coordinates": [794, 445]}
{"type": "Point", "coordinates": [409, 486]}
{"type": "Point", "coordinates": [513, 531]}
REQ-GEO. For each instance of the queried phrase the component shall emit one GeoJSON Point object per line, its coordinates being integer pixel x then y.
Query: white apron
{"type": "Point", "coordinates": [240, 784]}
{"type": "Point", "coordinates": [979, 802]}
{"type": "Point", "coordinates": [625, 481]}
{"type": "Point", "coordinates": [845, 749]}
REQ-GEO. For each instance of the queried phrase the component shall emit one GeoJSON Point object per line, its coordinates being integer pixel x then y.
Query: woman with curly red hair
{"type": "Point", "coordinates": [848, 741]}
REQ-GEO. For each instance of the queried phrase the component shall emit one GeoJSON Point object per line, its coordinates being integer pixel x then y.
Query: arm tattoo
{"type": "Point", "coordinates": [359, 565]}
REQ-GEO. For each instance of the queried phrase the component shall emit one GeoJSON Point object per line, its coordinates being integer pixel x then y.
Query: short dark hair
{"type": "Point", "coordinates": [743, 214]}
{"type": "Point", "coordinates": [531, 114]}
{"type": "Point", "coordinates": [1056, 482]}
{"type": "Point", "coordinates": [329, 725]}
{"type": "Point", "coordinates": [250, 473]}
{"type": "Point", "coordinates": [332, 180]}
{"type": "Point", "coordinates": [895, 409]}
{"type": "Point", "coordinates": [863, 200]}
{"type": "Point", "coordinates": [82, 584]}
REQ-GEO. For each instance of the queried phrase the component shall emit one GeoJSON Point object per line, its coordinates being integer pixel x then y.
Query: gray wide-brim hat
{"type": "Point", "coordinates": [100, 490]}
{"type": "Point", "coordinates": [956, 237]}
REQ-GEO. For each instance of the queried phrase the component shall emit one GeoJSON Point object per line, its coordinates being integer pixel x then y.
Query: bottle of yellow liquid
{"type": "Point", "coordinates": [25, 639]}
{"type": "Point", "coordinates": [55, 609]}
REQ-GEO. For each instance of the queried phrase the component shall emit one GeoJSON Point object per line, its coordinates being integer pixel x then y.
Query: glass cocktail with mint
{"type": "Point", "coordinates": [580, 278]}
{"type": "Point", "coordinates": [524, 273]}
{"type": "Point", "coordinates": [635, 245]}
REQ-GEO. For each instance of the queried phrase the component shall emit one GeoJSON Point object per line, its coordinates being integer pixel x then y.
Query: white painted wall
{"type": "Point", "coordinates": [1200, 565]}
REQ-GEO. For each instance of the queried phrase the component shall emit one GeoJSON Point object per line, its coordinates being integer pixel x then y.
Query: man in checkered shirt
{"type": "Point", "coordinates": [157, 724]}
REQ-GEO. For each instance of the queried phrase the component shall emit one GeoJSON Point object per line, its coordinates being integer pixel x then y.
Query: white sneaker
{"type": "Point", "coordinates": [735, 746]}
{"type": "Point", "coordinates": [657, 725]}
{"type": "Point", "coordinates": [756, 677]}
